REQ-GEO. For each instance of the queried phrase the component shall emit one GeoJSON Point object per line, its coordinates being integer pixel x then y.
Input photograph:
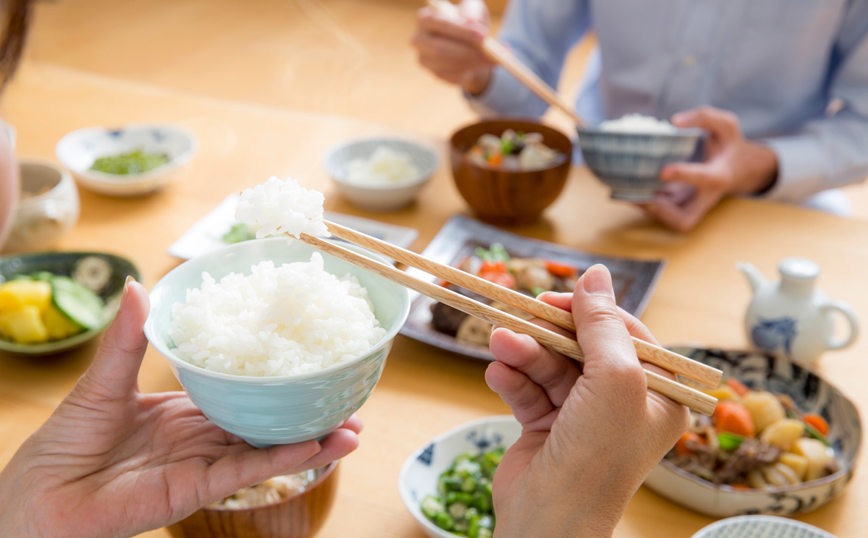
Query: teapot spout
{"type": "Point", "coordinates": [754, 277]}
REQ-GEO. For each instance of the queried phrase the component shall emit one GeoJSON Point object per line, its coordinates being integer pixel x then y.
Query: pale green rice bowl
{"type": "Point", "coordinates": [266, 411]}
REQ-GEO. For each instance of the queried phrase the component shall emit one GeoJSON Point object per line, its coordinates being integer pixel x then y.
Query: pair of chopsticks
{"type": "Point", "coordinates": [499, 54]}
{"type": "Point", "coordinates": [650, 353]}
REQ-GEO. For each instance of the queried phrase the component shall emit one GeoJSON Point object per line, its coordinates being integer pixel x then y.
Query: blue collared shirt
{"type": "Point", "coordinates": [777, 64]}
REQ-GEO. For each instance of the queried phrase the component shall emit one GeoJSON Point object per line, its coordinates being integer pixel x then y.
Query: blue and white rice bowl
{"type": "Point", "coordinates": [811, 394]}
{"type": "Point", "coordinates": [79, 149]}
{"type": "Point", "coordinates": [419, 474]}
{"type": "Point", "coordinates": [630, 163]}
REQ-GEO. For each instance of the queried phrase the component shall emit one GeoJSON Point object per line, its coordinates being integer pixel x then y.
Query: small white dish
{"type": "Point", "coordinates": [420, 472]}
{"type": "Point", "coordinates": [79, 149]}
{"type": "Point", "coordinates": [380, 197]}
{"type": "Point", "coordinates": [761, 527]}
{"type": "Point", "coordinates": [207, 233]}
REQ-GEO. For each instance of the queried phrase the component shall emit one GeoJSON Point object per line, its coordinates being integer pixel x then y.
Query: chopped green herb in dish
{"type": "Point", "coordinates": [239, 232]}
{"type": "Point", "coordinates": [463, 505]}
{"type": "Point", "coordinates": [134, 162]}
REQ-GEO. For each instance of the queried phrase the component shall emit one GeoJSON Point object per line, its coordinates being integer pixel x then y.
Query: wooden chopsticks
{"type": "Point", "coordinates": [647, 352]}
{"type": "Point", "coordinates": [497, 53]}
{"type": "Point", "coordinates": [692, 398]}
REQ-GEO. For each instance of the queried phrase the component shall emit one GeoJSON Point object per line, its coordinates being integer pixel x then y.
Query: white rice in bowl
{"type": "Point", "coordinates": [637, 123]}
{"type": "Point", "coordinates": [277, 321]}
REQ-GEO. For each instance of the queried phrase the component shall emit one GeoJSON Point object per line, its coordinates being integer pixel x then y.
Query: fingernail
{"type": "Point", "coordinates": [126, 289]}
{"type": "Point", "coordinates": [679, 118]}
{"type": "Point", "coordinates": [598, 281]}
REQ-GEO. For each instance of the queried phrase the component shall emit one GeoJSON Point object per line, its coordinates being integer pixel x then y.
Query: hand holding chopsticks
{"type": "Point", "coordinates": [567, 346]}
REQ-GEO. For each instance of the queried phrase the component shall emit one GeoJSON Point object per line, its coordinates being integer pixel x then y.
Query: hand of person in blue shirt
{"type": "Point", "coordinates": [450, 46]}
{"type": "Point", "coordinates": [111, 461]}
{"type": "Point", "coordinates": [590, 434]}
{"type": "Point", "coordinates": [733, 165]}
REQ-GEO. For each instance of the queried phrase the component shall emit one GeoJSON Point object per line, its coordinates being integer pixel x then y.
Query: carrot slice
{"type": "Point", "coordinates": [737, 386]}
{"type": "Point", "coordinates": [561, 270]}
{"type": "Point", "coordinates": [818, 422]}
{"type": "Point", "coordinates": [732, 417]}
{"type": "Point", "coordinates": [681, 447]}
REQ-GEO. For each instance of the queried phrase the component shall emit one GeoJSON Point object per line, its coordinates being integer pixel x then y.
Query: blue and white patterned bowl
{"type": "Point", "coordinates": [630, 163]}
{"type": "Point", "coordinates": [811, 394]}
{"type": "Point", "coordinates": [761, 527]}
{"type": "Point", "coordinates": [380, 197]}
{"type": "Point", "coordinates": [79, 149]}
{"type": "Point", "coordinates": [420, 472]}
{"type": "Point", "coordinates": [268, 411]}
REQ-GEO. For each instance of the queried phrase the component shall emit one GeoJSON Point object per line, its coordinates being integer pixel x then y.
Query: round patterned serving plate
{"type": "Point", "coordinates": [811, 394]}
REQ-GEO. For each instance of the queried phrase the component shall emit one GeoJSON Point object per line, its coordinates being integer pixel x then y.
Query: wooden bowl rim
{"type": "Point", "coordinates": [453, 145]}
{"type": "Point", "coordinates": [329, 470]}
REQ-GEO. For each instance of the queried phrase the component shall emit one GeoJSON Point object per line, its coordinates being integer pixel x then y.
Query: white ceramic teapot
{"type": "Point", "coordinates": [792, 316]}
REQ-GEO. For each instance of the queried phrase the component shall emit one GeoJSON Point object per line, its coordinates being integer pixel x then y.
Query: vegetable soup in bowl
{"type": "Point", "coordinates": [275, 343]}
{"type": "Point", "coordinates": [782, 441]}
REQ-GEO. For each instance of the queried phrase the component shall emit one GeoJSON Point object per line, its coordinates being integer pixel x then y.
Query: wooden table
{"type": "Point", "coordinates": [701, 297]}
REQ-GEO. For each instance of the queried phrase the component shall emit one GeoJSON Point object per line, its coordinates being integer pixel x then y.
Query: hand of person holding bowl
{"type": "Point", "coordinates": [111, 461]}
{"type": "Point", "coordinates": [591, 433]}
{"type": "Point", "coordinates": [733, 165]}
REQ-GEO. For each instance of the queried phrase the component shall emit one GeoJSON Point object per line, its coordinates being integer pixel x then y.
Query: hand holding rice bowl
{"type": "Point", "coordinates": [283, 408]}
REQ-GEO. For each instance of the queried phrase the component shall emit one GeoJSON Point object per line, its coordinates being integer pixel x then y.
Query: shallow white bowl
{"type": "Point", "coordinates": [420, 472]}
{"type": "Point", "coordinates": [379, 197]}
{"type": "Point", "coordinates": [79, 149]}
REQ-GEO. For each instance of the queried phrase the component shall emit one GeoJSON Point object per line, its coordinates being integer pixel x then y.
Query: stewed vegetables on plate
{"type": "Point", "coordinates": [755, 440]}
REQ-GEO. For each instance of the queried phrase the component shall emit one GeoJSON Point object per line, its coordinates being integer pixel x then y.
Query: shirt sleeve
{"type": "Point", "coordinates": [832, 151]}
{"type": "Point", "coordinates": [540, 33]}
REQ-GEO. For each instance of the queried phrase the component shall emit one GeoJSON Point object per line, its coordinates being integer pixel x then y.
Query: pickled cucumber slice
{"type": "Point", "coordinates": [81, 305]}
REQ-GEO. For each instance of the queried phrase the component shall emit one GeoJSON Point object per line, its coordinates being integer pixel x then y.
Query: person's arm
{"type": "Point", "coordinates": [9, 185]}
{"type": "Point", "coordinates": [832, 151]}
{"type": "Point", "coordinates": [540, 33]}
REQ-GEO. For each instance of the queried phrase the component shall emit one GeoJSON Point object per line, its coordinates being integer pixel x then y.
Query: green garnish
{"type": "Point", "coordinates": [239, 232]}
{"type": "Point", "coordinates": [134, 162]}
{"type": "Point", "coordinates": [463, 505]}
{"type": "Point", "coordinates": [729, 441]}
{"type": "Point", "coordinates": [812, 431]}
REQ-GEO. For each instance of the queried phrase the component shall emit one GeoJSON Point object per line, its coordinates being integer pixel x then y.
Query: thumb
{"type": "Point", "coordinates": [610, 356]}
{"type": "Point", "coordinates": [114, 372]}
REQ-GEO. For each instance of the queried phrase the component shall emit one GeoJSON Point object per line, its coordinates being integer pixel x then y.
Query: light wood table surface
{"type": "Point", "coordinates": [701, 297]}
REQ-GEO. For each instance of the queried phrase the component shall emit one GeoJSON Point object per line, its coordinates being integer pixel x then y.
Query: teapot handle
{"type": "Point", "coordinates": [845, 310]}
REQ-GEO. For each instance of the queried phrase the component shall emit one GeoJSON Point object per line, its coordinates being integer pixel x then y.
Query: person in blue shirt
{"type": "Point", "coordinates": [781, 86]}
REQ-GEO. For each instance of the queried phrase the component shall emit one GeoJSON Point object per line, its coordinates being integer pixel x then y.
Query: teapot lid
{"type": "Point", "coordinates": [799, 268]}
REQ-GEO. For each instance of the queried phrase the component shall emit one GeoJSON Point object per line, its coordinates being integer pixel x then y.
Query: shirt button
{"type": "Point", "coordinates": [690, 60]}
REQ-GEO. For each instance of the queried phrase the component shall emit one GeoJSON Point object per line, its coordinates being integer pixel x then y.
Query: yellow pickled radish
{"type": "Point", "coordinates": [17, 293]}
{"type": "Point", "coordinates": [24, 325]}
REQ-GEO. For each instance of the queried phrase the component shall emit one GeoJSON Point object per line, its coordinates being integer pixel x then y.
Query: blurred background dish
{"type": "Point", "coordinates": [761, 527]}
{"type": "Point", "coordinates": [630, 162]}
{"type": "Point", "coordinates": [421, 471]}
{"type": "Point", "coordinates": [380, 174]}
{"type": "Point", "coordinates": [48, 209]}
{"type": "Point", "coordinates": [810, 394]}
{"type": "Point", "coordinates": [103, 274]}
{"type": "Point", "coordinates": [144, 156]}
{"type": "Point", "coordinates": [508, 196]}
{"type": "Point", "coordinates": [279, 409]}
{"type": "Point", "coordinates": [299, 515]}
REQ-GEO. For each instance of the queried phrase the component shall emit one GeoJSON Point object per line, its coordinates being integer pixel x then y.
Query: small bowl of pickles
{"type": "Point", "coordinates": [55, 301]}
{"type": "Point", "coordinates": [132, 160]}
{"type": "Point", "coordinates": [446, 484]}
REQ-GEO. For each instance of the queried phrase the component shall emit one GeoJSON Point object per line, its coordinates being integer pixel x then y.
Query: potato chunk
{"type": "Point", "coordinates": [816, 453]}
{"type": "Point", "coordinates": [764, 407]}
{"type": "Point", "coordinates": [783, 433]}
